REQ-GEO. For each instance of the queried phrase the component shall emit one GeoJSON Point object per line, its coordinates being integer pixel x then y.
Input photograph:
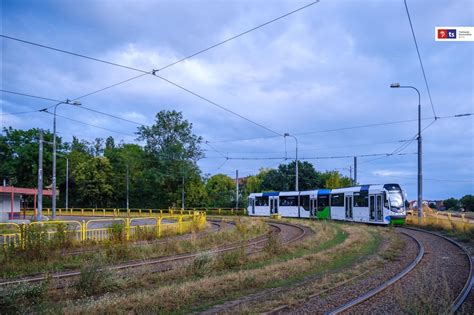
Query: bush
{"type": "Point", "coordinates": [232, 259]}
{"type": "Point", "coordinates": [94, 280]}
{"type": "Point", "coordinates": [273, 245]}
{"type": "Point", "coordinates": [201, 264]}
{"type": "Point", "coordinates": [15, 299]}
{"type": "Point", "coordinates": [117, 232]}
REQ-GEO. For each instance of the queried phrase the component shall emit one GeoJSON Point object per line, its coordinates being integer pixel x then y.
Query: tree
{"type": "Point", "coordinates": [333, 179]}
{"type": "Point", "coordinates": [432, 205]}
{"type": "Point", "coordinates": [92, 180]}
{"type": "Point", "coordinates": [467, 202]}
{"type": "Point", "coordinates": [451, 204]}
{"type": "Point", "coordinates": [221, 191]}
{"type": "Point", "coordinates": [171, 137]}
{"type": "Point", "coordinates": [173, 151]}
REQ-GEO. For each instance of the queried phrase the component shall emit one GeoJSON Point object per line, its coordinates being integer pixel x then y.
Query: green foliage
{"type": "Point", "coordinates": [14, 300]}
{"type": "Point", "coordinates": [201, 265]}
{"type": "Point", "coordinates": [451, 204]}
{"type": "Point", "coordinates": [333, 179]}
{"type": "Point", "coordinates": [221, 191]}
{"type": "Point", "coordinates": [117, 231]}
{"type": "Point", "coordinates": [92, 182]}
{"type": "Point", "coordinates": [467, 202]}
{"type": "Point", "coordinates": [94, 280]}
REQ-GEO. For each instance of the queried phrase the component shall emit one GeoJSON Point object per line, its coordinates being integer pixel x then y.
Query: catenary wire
{"type": "Point", "coordinates": [419, 58]}
{"type": "Point", "coordinates": [167, 66]}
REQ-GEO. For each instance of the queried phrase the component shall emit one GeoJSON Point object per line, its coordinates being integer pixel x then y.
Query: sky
{"type": "Point", "coordinates": [328, 66]}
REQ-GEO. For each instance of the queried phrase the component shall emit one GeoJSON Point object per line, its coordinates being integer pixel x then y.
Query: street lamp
{"type": "Point", "coordinates": [69, 102]}
{"type": "Point", "coordinates": [296, 179]}
{"type": "Point", "coordinates": [67, 180]}
{"type": "Point", "coordinates": [420, 174]}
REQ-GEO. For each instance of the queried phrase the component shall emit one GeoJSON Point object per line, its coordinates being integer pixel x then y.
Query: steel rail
{"type": "Point", "coordinates": [457, 303]}
{"type": "Point", "coordinates": [462, 296]}
{"type": "Point", "coordinates": [156, 261]}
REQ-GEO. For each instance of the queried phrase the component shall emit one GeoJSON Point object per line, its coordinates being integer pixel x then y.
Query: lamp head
{"type": "Point", "coordinates": [286, 134]}
{"type": "Point", "coordinates": [395, 85]}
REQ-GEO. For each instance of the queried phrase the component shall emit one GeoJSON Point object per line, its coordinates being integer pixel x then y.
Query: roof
{"type": "Point", "coordinates": [25, 191]}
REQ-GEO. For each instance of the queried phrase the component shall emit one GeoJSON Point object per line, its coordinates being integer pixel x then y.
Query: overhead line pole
{"type": "Point", "coordinates": [39, 214]}
{"type": "Point", "coordinates": [420, 153]}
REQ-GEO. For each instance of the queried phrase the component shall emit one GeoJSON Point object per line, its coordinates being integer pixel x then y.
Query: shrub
{"type": "Point", "coordinates": [273, 245]}
{"type": "Point", "coordinates": [15, 299]}
{"type": "Point", "coordinates": [117, 232]}
{"type": "Point", "coordinates": [94, 280]}
{"type": "Point", "coordinates": [201, 264]}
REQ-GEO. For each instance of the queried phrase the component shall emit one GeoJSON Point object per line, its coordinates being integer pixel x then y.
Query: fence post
{"type": "Point", "coordinates": [219, 210]}
{"type": "Point", "coordinates": [180, 224]}
{"type": "Point", "coordinates": [139, 212]}
{"type": "Point", "coordinates": [83, 230]}
{"type": "Point", "coordinates": [127, 229]}
{"type": "Point", "coordinates": [158, 226]}
{"type": "Point", "coordinates": [149, 211]}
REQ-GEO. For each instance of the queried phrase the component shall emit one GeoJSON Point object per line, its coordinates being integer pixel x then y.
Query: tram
{"type": "Point", "coordinates": [377, 204]}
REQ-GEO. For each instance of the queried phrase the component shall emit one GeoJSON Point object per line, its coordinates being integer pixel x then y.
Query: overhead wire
{"type": "Point", "coordinates": [419, 58]}
{"type": "Point", "coordinates": [154, 71]}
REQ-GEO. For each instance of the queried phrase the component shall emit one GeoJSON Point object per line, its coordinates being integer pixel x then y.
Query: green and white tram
{"type": "Point", "coordinates": [377, 204]}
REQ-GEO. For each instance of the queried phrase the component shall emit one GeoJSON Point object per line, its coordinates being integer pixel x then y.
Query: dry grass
{"type": "Point", "coordinates": [210, 289]}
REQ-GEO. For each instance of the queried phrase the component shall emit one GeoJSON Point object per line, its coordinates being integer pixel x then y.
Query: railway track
{"type": "Point", "coordinates": [288, 232]}
{"type": "Point", "coordinates": [430, 256]}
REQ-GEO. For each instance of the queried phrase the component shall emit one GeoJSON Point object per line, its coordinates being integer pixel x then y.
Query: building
{"type": "Point", "coordinates": [11, 198]}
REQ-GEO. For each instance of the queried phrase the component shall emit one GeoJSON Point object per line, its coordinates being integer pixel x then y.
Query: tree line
{"type": "Point", "coordinates": [157, 171]}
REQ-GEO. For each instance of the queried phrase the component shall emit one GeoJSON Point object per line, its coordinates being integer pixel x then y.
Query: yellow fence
{"type": "Point", "coordinates": [122, 212]}
{"type": "Point", "coordinates": [446, 221]}
{"type": "Point", "coordinates": [118, 229]}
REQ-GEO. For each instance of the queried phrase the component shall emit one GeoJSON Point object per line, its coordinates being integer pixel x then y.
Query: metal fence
{"type": "Point", "coordinates": [96, 230]}
{"type": "Point", "coordinates": [132, 212]}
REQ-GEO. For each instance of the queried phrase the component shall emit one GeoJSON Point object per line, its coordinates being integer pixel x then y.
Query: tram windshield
{"type": "Point", "coordinates": [396, 200]}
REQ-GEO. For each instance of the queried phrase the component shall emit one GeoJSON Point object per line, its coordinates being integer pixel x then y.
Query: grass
{"type": "Point", "coordinates": [40, 257]}
{"type": "Point", "coordinates": [233, 283]}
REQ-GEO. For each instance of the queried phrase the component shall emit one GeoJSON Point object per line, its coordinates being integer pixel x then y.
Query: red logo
{"type": "Point", "coordinates": [442, 33]}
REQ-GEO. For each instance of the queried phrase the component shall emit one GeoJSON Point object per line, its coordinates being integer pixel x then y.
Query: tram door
{"type": "Point", "coordinates": [348, 207]}
{"type": "Point", "coordinates": [372, 208]}
{"type": "Point", "coordinates": [312, 207]}
{"type": "Point", "coordinates": [375, 208]}
{"type": "Point", "coordinates": [379, 208]}
{"type": "Point", "coordinates": [273, 204]}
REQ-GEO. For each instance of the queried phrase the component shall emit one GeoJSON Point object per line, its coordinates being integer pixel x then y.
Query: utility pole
{"type": "Point", "coordinates": [237, 190]}
{"type": "Point", "coordinates": [182, 193]}
{"type": "Point", "coordinates": [296, 160]}
{"type": "Point", "coordinates": [67, 183]}
{"type": "Point", "coordinates": [355, 170]}
{"type": "Point", "coordinates": [128, 208]}
{"type": "Point", "coordinates": [39, 214]}
{"type": "Point", "coordinates": [350, 174]}
{"type": "Point", "coordinates": [420, 151]}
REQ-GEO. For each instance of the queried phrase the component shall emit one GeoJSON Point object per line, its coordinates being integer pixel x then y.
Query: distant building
{"type": "Point", "coordinates": [438, 203]}
{"type": "Point", "coordinates": [11, 198]}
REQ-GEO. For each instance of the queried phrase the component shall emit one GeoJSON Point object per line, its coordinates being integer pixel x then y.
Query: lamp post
{"type": "Point", "coordinates": [69, 102]}
{"type": "Point", "coordinates": [420, 173]}
{"type": "Point", "coordinates": [296, 179]}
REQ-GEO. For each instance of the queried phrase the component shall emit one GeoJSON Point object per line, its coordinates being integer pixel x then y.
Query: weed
{"type": "Point", "coordinates": [94, 280]}
{"type": "Point", "coordinates": [117, 232]}
{"type": "Point", "coordinates": [201, 265]}
{"type": "Point", "coordinates": [273, 245]}
{"type": "Point", "coordinates": [231, 259]}
{"type": "Point", "coordinates": [17, 298]}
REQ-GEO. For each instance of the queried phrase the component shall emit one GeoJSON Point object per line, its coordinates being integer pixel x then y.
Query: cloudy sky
{"type": "Point", "coordinates": [326, 67]}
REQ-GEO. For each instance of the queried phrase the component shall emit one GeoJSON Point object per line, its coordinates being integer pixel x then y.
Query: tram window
{"type": "Point", "coordinates": [323, 201]}
{"type": "Point", "coordinates": [289, 201]}
{"type": "Point", "coordinates": [304, 202]}
{"type": "Point", "coordinates": [337, 200]}
{"type": "Point", "coordinates": [361, 199]}
{"type": "Point", "coordinates": [261, 201]}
